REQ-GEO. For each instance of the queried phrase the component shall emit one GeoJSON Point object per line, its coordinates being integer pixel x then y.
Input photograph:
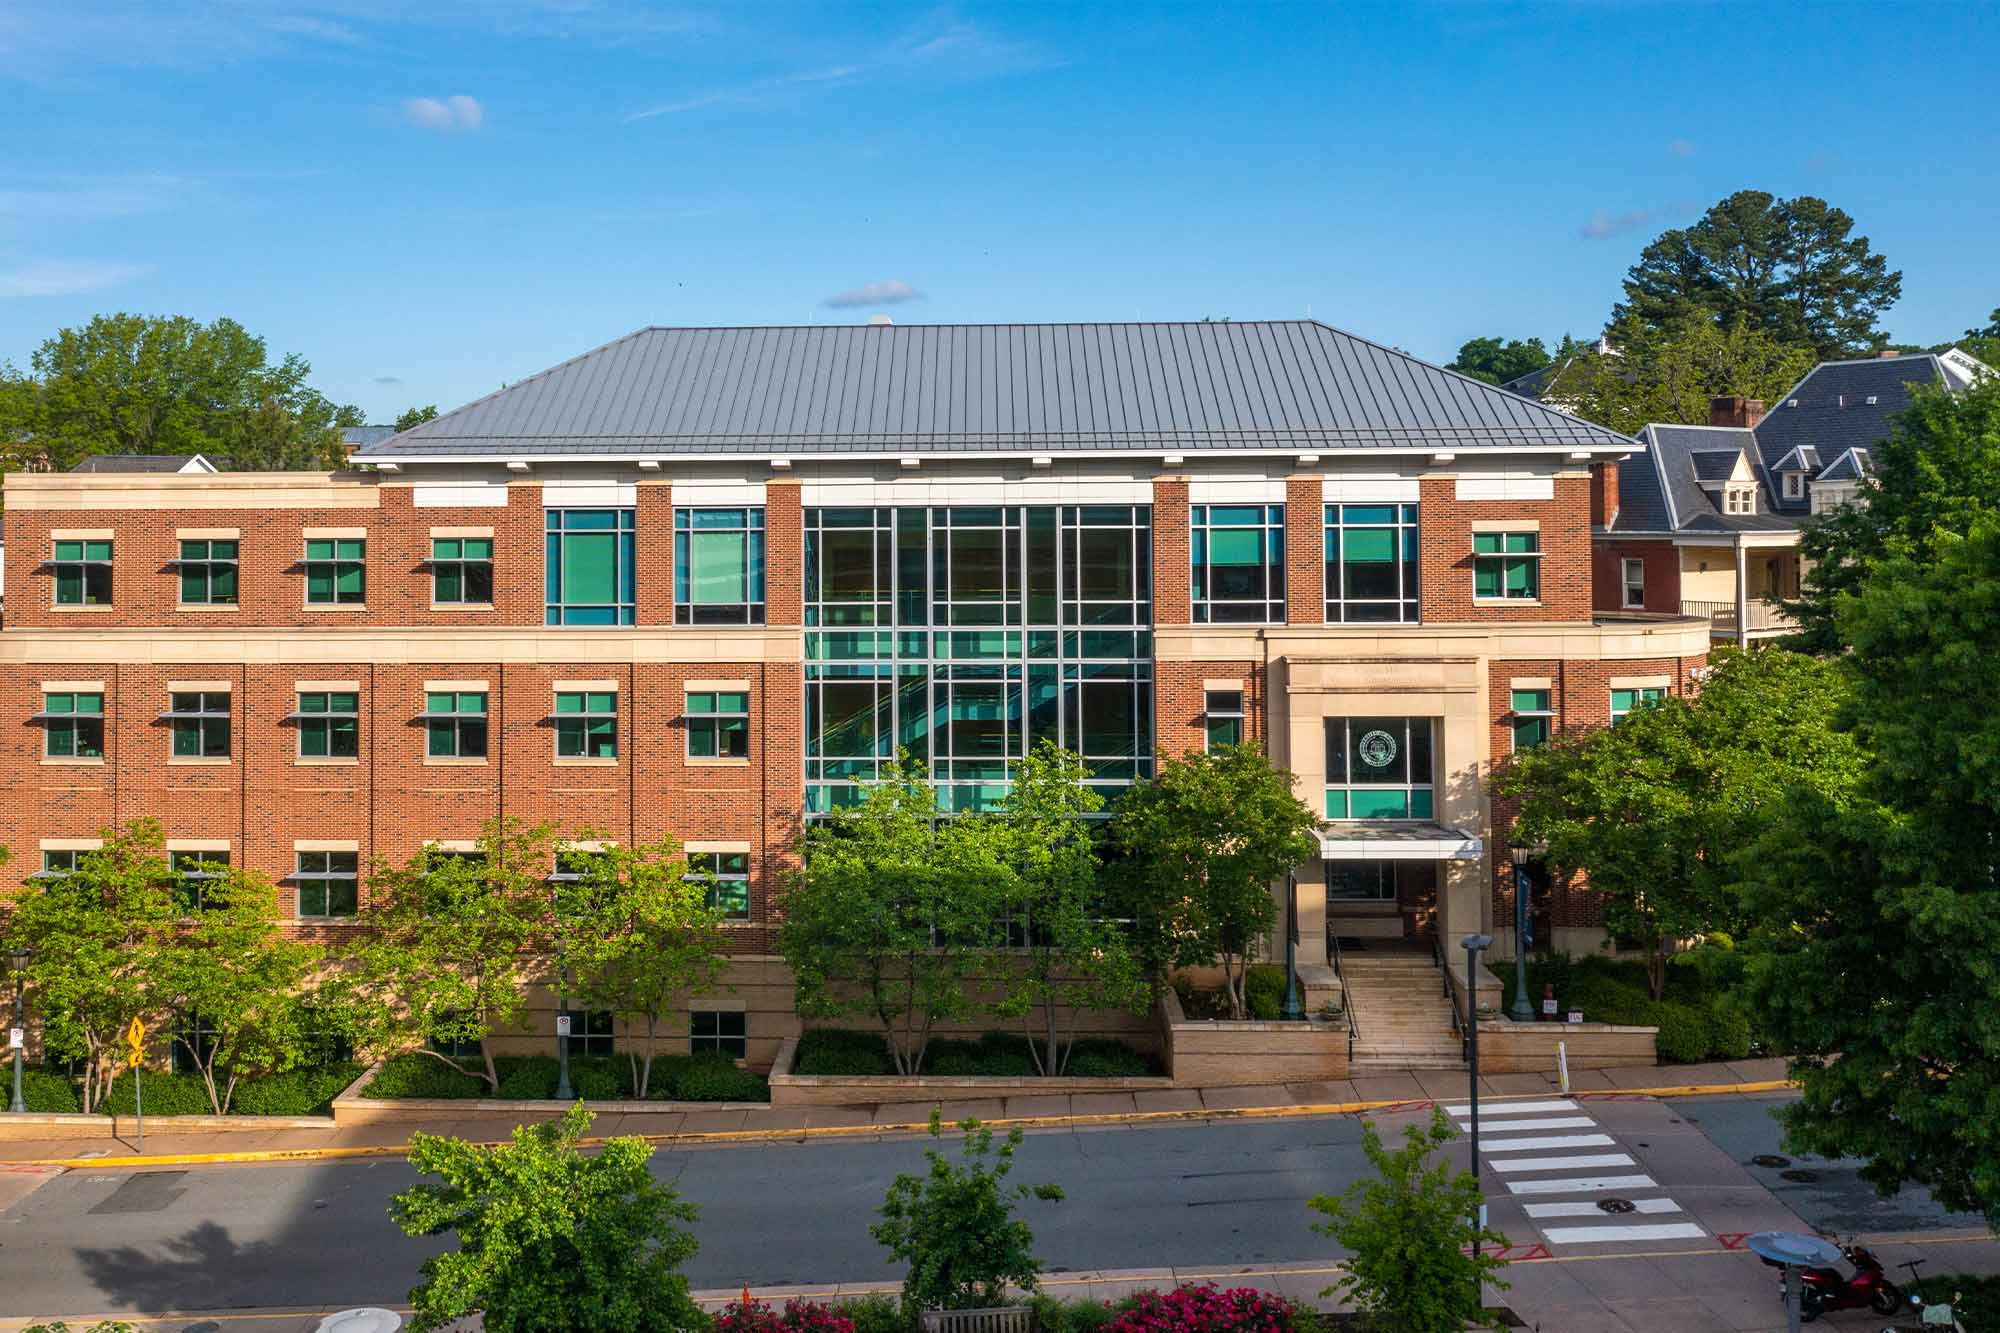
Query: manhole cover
{"type": "Point", "coordinates": [1770, 1159]}
{"type": "Point", "coordinates": [1615, 1205]}
{"type": "Point", "coordinates": [1799, 1176]}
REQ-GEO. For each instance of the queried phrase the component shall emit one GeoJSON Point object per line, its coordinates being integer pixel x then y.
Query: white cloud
{"type": "Point", "coordinates": [93, 197]}
{"type": "Point", "coordinates": [749, 94]}
{"type": "Point", "coordinates": [1681, 147]}
{"type": "Point", "coordinates": [389, 381]}
{"type": "Point", "coordinates": [1603, 225]}
{"type": "Point", "coordinates": [58, 277]}
{"type": "Point", "coordinates": [445, 115]}
{"type": "Point", "coordinates": [889, 291]}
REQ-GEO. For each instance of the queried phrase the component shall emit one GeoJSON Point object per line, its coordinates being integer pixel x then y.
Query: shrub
{"type": "Point", "coordinates": [1683, 1035]}
{"type": "Point", "coordinates": [414, 1075]}
{"type": "Point", "coordinates": [162, 1094]}
{"type": "Point", "coordinates": [296, 1092]}
{"type": "Point", "coordinates": [1264, 991]}
{"type": "Point", "coordinates": [47, 1092]}
{"type": "Point", "coordinates": [803, 1315]}
{"type": "Point", "coordinates": [993, 1055]}
{"type": "Point", "coordinates": [1059, 1316]}
{"type": "Point", "coordinates": [599, 1078]}
{"type": "Point", "coordinates": [840, 1053]}
{"type": "Point", "coordinates": [529, 1077]}
{"type": "Point", "coordinates": [715, 1078]}
{"type": "Point", "coordinates": [1728, 1029]}
{"type": "Point", "coordinates": [1205, 1309]}
{"type": "Point", "coordinates": [1100, 1058]}
{"type": "Point", "coordinates": [878, 1314]}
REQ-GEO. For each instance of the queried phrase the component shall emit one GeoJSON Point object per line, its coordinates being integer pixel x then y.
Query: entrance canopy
{"type": "Point", "coordinates": [1361, 840]}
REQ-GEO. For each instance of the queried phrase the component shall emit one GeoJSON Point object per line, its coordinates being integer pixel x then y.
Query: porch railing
{"type": "Point", "coordinates": [1760, 615]}
{"type": "Point", "coordinates": [1451, 999]}
{"type": "Point", "coordinates": [1346, 1001]}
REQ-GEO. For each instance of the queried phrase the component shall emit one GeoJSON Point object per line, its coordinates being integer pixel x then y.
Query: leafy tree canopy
{"type": "Point", "coordinates": [1668, 372]}
{"type": "Point", "coordinates": [416, 416]}
{"type": "Point", "coordinates": [1496, 361]}
{"type": "Point", "coordinates": [1880, 918]}
{"type": "Point", "coordinates": [1791, 268]}
{"type": "Point", "coordinates": [138, 384]}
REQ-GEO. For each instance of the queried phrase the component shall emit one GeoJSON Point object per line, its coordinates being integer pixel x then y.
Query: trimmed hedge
{"type": "Point", "coordinates": [298, 1092]}
{"type": "Point", "coordinates": [699, 1078]}
{"type": "Point", "coordinates": [162, 1094]}
{"type": "Point", "coordinates": [841, 1053]}
{"type": "Point", "coordinates": [1700, 1018]}
{"type": "Point", "coordinates": [412, 1075]}
{"type": "Point", "coordinates": [48, 1092]}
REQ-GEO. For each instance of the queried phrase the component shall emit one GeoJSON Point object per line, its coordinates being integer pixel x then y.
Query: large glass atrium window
{"type": "Point", "coordinates": [591, 567]}
{"type": "Point", "coordinates": [1239, 564]}
{"type": "Point", "coordinates": [966, 635]}
{"type": "Point", "coordinates": [1372, 561]}
{"type": "Point", "coordinates": [719, 566]}
{"type": "Point", "coordinates": [1379, 768]}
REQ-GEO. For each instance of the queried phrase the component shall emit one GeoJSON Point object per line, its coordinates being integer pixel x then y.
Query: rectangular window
{"type": "Point", "coordinates": [713, 1032]}
{"type": "Point", "coordinates": [336, 571]}
{"type": "Point", "coordinates": [1626, 702]}
{"type": "Point", "coordinates": [1739, 500]}
{"type": "Point", "coordinates": [1507, 566]}
{"type": "Point", "coordinates": [73, 726]}
{"type": "Point", "coordinates": [586, 725]}
{"type": "Point", "coordinates": [56, 864]}
{"type": "Point", "coordinates": [719, 566]}
{"type": "Point", "coordinates": [193, 872]}
{"type": "Point", "coordinates": [591, 567]}
{"type": "Point", "coordinates": [329, 725]}
{"type": "Point", "coordinates": [591, 1032]}
{"type": "Point", "coordinates": [718, 725]}
{"type": "Point", "coordinates": [1534, 719]}
{"type": "Point", "coordinates": [572, 865]}
{"type": "Point", "coordinates": [1633, 573]}
{"type": "Point", "coordinates": [327, 883]}
{"type": "Point", "coordinates": [208, 573]}
{"type": "Point", "coordinates": [1239, 563]}
{"type": "Point", "coordinates": [1360, 881]}
{"type": "Point", "coordinates": [1379, 768]}
{"type": "Point", "coordinates": [83, 573]}
{"type": "Point", "coordinates": [1224, 715]}
{"type": "Point", "coordinates": [727, 875]}
{"type": "Point", "coordinates": [462, 571]}
{"type": "Point", "coordinates": [195, 1028]}
{"type": "Point", "coordinates": [201, 724]}
{"type": "Point", "coordinates": [1372, 563]}
{"type": "Point", "coordinates": [456, 723]}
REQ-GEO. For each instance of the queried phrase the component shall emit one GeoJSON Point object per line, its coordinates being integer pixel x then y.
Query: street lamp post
{"type": "Point", "coordinates": [1473, 944]}
{"type": "Point", "coordinates": [17, 963]}
{"type": "Point", "coordinates": [1294, 1008]}
{"type": "Point", "coordinates": [1523, 1009]}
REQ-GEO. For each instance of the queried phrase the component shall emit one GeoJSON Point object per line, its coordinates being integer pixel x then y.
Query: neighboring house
{"type": "Point", "coordinates": [360, 437]}
{"type": "Point", "coordinates": [1705, 520]}
{"type": "Point", "coordinates": [1535, 384]}
{"type": "Point", "coordinates": [175, 463]}
{"type": "Point", "coordinates": [700, 582]}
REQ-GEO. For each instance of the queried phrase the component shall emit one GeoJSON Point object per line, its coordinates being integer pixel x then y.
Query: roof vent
{"type": "Point", "coordinates": [880, 320]}
{"type": "Point", "coordinates": [1871, 400]}
{"type": "Point", "coordinates": [1791, 402]}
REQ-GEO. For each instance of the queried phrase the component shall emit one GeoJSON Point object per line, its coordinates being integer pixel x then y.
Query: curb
{"type": "Point", "coordinates": [811, 1133]}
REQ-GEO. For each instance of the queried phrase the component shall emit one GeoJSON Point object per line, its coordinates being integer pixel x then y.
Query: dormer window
{"type": "Point", "coordinates": [1739, 499]}
{"type": "Point", "coordinates": [1795, 485]}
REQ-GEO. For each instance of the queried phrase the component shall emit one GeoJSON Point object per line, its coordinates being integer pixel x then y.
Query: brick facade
{"type": "Point", "coordinates": [1448, 524]}
{"type": "Point", "coordinates": [1663, 574]}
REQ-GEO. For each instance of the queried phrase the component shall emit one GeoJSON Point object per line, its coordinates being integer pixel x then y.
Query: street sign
{"type": "Point", "coordinates": [135, 1037]}
{"type": "Point", "coordinates": [16, 1038]}
{"type": "Point", "coordinates": [562, 1025]}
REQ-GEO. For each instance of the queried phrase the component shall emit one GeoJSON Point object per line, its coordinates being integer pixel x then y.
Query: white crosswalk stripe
{"type": "Point", "coordinates": [1587, 1208]}
{"type": "Point", "coordinates": [1519, 1149]}
{"type": "Point", "coordinates": [1643, 1231]}
{"type": "Point", "coordinates": [1579, 1162]}
{"type": "Point", "coordinates": [1511, 1108]}
{"type": "Point", "coordinates": [1581, 1185]}
{"type": "Point", "coordinates": [1564, 1141]}
{"type": "Point", "coordinates": [1541, 1122]}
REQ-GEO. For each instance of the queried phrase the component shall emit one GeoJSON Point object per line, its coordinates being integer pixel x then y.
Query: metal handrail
{"type": "Point", "coordinates": [1451, 1000]}
{"type": "Point", "coordinates": [1346, 1000]}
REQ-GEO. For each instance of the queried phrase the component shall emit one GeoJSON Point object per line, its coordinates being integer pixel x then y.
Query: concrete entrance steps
{"type": "Point", "coordinates": [1402, 1019]}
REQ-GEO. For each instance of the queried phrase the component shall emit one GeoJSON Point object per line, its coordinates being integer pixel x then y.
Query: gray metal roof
{"type": "Point", "coordinates": [360, 437]}
{"type": "Point", "coordinates": [1278, 386]}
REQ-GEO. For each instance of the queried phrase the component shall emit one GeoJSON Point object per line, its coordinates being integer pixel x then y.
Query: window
{"type": "Point", "coordinates": [329, 725]}
{"type": "Point", "coordinates": [462, 571]}
{"type": "Point", "coordinates": [1626, 702]}
{"type": "Point", "coordinates": [718, 725]}
{"type": "Point", "coordinates": [201, 724]}
{"type": "Point", "coordinates": [73, 726]}
{"type": "Point", "coordinates": [572, 864]}
{"type": "Point", "coordinates": [1795, 485]}
{"type": "Point", "coordinates": [586, 725]}
{"type": "Point", "coordinates": [1379, 768]}
{"type": "Point", "coordinates": [590, 1032]}
{"type": "Point", "coordinates": [1360, 881]}
{"type": "Point", "coordinates": [1739, 500]}
{"type": "Point", "coordinates": [591, 573]}
{"type": "Point", "coordinates": [1634, 573]}
{"type": "Point", "coordinates": [208, 573]}
{"type": "Point", "coordinates": [1224, 713]}
{"type": "Point", "coordinates": [1372, 562]}
{"type": "Point", "coordinates": [83, 573]}
{"type": "Point", "coordinates": [1507, 565]}
{"type": "Point", "coordinates": [1534, 719]}
{"type": "Point", "coordinates": [193, 872]}
{"type": "Point", "coordinates": [192, 1028]}
{"type": "Point", "coordinates": [327, 883]}
{"type": "Point", "coordinates": [336, 571]}
{"type": "Point", "coordinates": [456, 722]}
{"type": "Point", "coordinates": [713, 1032]}
{"type": "Point", "coordinates": [56, 864]}
{"type": "Point", "coordinates": [1239, 563]}
{"type": "Point", "coordinates": [451, 1045]}
{"type": "Point", "coordinates": [719, 566]}
{"type": "Point", "coordinates": [727, 875]}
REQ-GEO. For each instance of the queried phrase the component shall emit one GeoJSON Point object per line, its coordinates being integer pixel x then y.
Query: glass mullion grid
{"type": "Point", "coordinates": [1418, 796]}
{"type": "Point", "coordinates": [72, 725]}
{"type": "Point", "coordinates": [82, 570]}
{"type": "Point", "coordinates": [1266, 608]}
{"type": "Point", "coordinates": [192, 871]}
{"type": "Point", "coordinates": [208, 570]}
{"type": "Point", "coordinates": [746, 521]}
{"type": "Point", "coordinates": [462, 571]}
{"type": "Point", "coordinates": [1534, 717]}
{"type": "Point", "coordinates": [329, 723]}
{"type": "Point", "coordinates": [455, 723]}
{"type": "Point", "coordinates": [200, 724]}
{"type": "Point", "coordinates": [1349, 599]}
{"type": "Point", "coordinates": [559, 527]}
{"type": "Point", "coordinates": [726, 876]}
{"type": "Point", "coordinates": [327, 883]}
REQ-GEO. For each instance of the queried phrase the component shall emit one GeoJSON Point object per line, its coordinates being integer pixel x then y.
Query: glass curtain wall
{"type": "Point", "coordinates": [966, 635]}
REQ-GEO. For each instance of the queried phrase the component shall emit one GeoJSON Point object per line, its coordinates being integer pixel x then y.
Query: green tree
{"type": "Point", "coordinates": [1982, 343]}
{"type": "Point", "coordinates": [549, 1239]}
{"type": "Point", "coordinates": [893, 912]}
{"type": "Point", "coordinates": [1207, 837]}
{"type": "Point", "coordinates": [237, 990]}
{"type": "Point", "coordinates": [96, 938]}
{"type": "Point", "coordinates": [1937, 473]}
{"type": "Point", "coordinates": [416, 416]}
{"type": "Point", "coordinates": [1496, 361]}
{"type": "Point", "coordinates": [1668, 372]}
{"type": "Point", "coordinates": [955, 1225]}
{"type": "Point", "coordinates": [1071, 956]}
{"type": "Point", "coordinates": [449, 944]}
{"type": "Point", "coordinates": [1411, 1231]}
{"type": "Point", "coordinates": [1791, 268]}
{"type": "Point", "coordinates": [1651, 809]}
{"type": "Point", "coordinates": [170, 385]}
{"type": "Point", "coordinates": [638, 935]}
{"type": "Point", "coordinates": [1879, 917]}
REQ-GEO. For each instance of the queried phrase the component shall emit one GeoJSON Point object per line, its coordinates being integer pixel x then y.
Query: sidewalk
{"type": "Point", "coordinates": [167, 1146]}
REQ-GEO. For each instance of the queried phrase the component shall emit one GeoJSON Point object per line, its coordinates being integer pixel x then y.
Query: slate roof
{"type": "Point", "coordinates": [1852, 465]}
{"type": "Point", "coordinates": [1834, 413]}
{"type": "Point", "coordinates": [1254, 386]}
{"type": "Point", "coordinates": [359, 437]}
{"type": "Point", "coordinates": [143, 463]}
{"type": "Point", "coordinates": [1715, 464]}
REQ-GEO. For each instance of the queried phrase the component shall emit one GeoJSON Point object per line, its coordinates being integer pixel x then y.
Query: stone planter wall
{"type": "Point", "coordinates": [350, 1108]}
{"type": "Point", "coordinates": [36, 1125]}
{"type": "Point", "coordinates": [789, 1089]}
{"type": "Point", "coordinates": [1506, 1047]}
{"type": "Point", "coordinates": [1222, 1053]}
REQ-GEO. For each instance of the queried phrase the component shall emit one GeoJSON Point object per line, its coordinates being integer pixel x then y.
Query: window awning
{"type": "Point", "coordinates": [1363, 840]}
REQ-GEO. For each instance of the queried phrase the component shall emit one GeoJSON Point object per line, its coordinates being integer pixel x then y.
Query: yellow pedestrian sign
{"type": "Point", "coordinates": [135, 1037]}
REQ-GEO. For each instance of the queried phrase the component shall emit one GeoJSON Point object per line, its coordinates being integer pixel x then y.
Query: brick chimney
{"type": "Point", "coordinates": [1735, 411]}
{"type": "Point", "coordinates": [1603, 493]}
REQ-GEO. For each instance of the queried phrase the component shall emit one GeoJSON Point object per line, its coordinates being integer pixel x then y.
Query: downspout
{"type": "Point", "coordinates": [1742, 594]}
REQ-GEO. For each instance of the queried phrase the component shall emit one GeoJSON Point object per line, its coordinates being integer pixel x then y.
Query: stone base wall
{"type": "Point", "coordinates": [1530, 1048]}
{"type": "Point", "coordinates": [1222, 1053]}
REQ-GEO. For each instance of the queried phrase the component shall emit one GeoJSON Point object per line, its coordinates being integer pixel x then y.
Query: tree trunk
{"type": "Point", "coordinates": [1656, 968]}
{"type": "Point", "coordinates": [492, 1074]}
{"type": "Point", "coordinates": [645, 1088]}
{"type": "Point", "coordinates": [1053, 1066]}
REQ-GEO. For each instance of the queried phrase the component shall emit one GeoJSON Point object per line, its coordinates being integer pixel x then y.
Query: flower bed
{"type": "Point", "coordinates": [838, 1052]}
{"type": "Point", "coordinates": [680, 1078]}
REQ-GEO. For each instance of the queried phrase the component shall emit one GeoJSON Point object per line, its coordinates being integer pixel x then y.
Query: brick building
{"type": "Point", "coordinates": [699, 582]}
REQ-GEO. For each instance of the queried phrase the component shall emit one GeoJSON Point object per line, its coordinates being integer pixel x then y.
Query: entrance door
{"type": "Point", "coordinates": [1382, 899]}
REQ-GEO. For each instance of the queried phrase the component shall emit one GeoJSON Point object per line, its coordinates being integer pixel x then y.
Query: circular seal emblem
{"type": "Point", "coordinates": [1377, 749]}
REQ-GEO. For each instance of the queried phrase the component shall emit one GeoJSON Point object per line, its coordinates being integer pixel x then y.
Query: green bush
{"type": "Point", "coordinates": [841, 1053]}
{"type": "Point", "coordinates": [715, 1078]}
{"type": "Point", "coordinates": [526, 1077]}
{"type": "Point", "coordinates": [413, 1075]}
{"type": "Point", "coordinates": [878, 1314]}
{"type": "Point", "coordinates": [297, 1092]}
{"type": "Point", "coordinates": [1264, 991]}
{"type": "Point", "coordinates": [163, 1094]}
{"type": "Point", "coordinates": [1728, 1029]}
{"type": "Point", "coordinates": [47, 1092]}
{"type": "Point", "coordinates": [1103, 1058]}
{"type": "Point", "coordinates": [993, 1055]}
{"type": "Point", "coordinates": [600, 1078]}
{"type": "Point", "coordinates": [1684, 1033]}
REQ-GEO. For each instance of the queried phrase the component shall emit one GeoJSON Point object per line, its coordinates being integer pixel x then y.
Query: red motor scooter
{"type": "Point", "coordinates": [1823, 1289]}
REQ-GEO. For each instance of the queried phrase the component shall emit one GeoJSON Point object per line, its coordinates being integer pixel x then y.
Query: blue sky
{"type": "Point", "coordinates": [426, 200]}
